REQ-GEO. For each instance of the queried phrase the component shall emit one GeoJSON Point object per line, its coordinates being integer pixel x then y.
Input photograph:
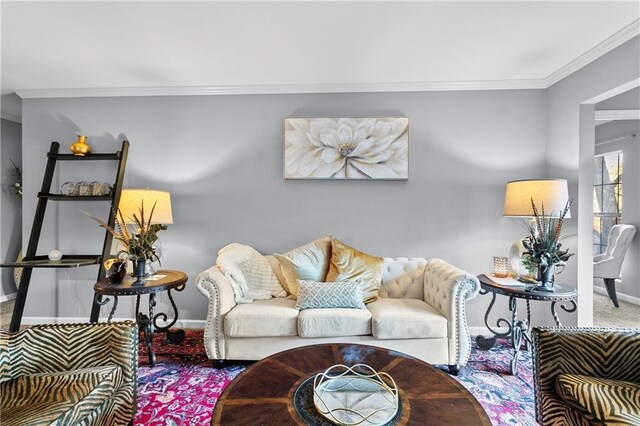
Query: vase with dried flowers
{"type": "Point", "coordinates": [543, 248]}
{"type": "Point", "coordinates": [137, 244]}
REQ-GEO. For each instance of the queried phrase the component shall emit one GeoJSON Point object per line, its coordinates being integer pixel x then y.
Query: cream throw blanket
{"type": "Point", "coordinates": [249, 272]}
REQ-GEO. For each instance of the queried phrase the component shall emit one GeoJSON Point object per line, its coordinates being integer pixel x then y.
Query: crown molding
{"type": "Point", "coordinates": [11, 117]}
{"type": "Point", "coordinates": [620, 37]}
{"type": "Point", "coordinates": [272, 89]}
{"type": "Point", "coordinates": [599, 50]}
{"type": "Point", "coordinates": [618, 114]}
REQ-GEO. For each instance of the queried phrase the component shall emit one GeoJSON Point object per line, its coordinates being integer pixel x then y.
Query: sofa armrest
{"type": "Point", "coordinates": [447, 288]}
{"type": "Point", "coordinates": [607, 353]}
{"type": "Point", "coordinates": [64, 347]}
{"type": "Point", "coordinates": [213, 284]}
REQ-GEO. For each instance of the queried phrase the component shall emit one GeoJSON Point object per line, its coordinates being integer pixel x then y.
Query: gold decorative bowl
{"type": "Point", "coordinates": [356, 395]}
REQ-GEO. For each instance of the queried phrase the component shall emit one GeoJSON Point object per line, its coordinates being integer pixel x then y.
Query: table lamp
{"type": "Point", "coordinates": [131, 199]}
{"type": "Point", "coordinates": [553, 194]}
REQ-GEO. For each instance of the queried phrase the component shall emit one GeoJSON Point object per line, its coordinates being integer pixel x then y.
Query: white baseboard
{"type": "Point", "coordinates": [6, 297]}
{"type": "Point", "coordinates": [621, 296]}
{"type": "Point", "coordinates": [76, 320]}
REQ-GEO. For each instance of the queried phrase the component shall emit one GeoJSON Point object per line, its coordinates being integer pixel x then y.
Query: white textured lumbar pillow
{"type": "Point", "coordinates": [249, 272]}
{"type": "Point", "coordinates": [342, 294]}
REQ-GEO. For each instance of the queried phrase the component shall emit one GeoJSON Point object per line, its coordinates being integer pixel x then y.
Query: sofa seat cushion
{"type": "Point", "coordinates": [601, 401]}
{"type": "Point", "coordinates": [334, 322]}
{"type": "Point", "coordinates": [406, 319]}
{"type": "Point", "coordinates": [62, 398]}
{"type": "Point", "coordinates": [263, 318]}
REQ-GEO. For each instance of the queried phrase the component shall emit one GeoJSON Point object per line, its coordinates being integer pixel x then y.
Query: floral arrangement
{"type": "Point", "coordinates": [543, 242]}
{"type": "Point", "coordinates": [17, 185]}
{"type": "Point", "coordinates": [139, 244]}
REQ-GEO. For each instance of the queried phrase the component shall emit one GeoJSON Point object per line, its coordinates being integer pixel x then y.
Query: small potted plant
{"type": "Point", "coordinates": [17, 175]}
{"type": "Point", "coordinates": [138, 245]}
{"type": "Point", "coordinates": [543, 248]}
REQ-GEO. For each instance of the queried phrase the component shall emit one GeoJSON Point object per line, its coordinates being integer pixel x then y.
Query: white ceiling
{"type": "Point", "coordinates": [51, 45]}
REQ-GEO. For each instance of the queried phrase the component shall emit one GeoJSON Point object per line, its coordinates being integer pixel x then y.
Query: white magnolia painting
{"type": "Point", "coordinates": [346, 148]}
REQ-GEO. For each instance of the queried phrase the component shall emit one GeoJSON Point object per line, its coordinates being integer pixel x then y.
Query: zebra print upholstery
{"type": "Point", "coordinates": [593, 397]}
{"type": "Point", "coordinates": [601, 353]}
{"type": "Point", "coordinates": [69, 374]}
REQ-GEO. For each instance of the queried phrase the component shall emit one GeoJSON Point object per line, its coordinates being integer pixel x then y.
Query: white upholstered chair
{"type": "Point", "coordinates": [608, 265]}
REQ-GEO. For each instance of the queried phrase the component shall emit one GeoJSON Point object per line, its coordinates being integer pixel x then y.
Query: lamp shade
{"type": "Point", "coordinates": [131, 200]}
{"type": "Point", "coordinates": [552, 193]}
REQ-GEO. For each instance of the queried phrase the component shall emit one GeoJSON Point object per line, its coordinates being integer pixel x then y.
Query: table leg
{"type": "Point", "coordinates": [520, 331]}
{"type": "Point", "coordinates": [146, 325]}
{"type": "Point", "coordinates": [487, 343]}
{"type": "Point", "coordinates": [527, 340]}
{"type": "Point", "coordinates": [149, 337]}
{"type": "Point", "coordinates": [113, 308]}
{"type": "Point", "coordinates": [173, 336]}
{"type": "Point", "coordinates": [103, 301]}
{"type": "Point", "coordinates": [516, 334]}
{"type": "Point", "coordinates": [564, 308]}
{"type": "Point", "coordinates": [137, 305]}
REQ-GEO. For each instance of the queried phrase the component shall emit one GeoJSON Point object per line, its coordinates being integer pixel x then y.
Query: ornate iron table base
{"type": "Point", "coordinates": [148, 324]}
{"type": "Point", "coordinates": [516, 329]}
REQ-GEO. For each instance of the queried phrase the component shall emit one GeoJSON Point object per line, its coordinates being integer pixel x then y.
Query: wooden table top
{"type": "Point", "coordinates": [263, 393]}
{"type": "Point", "coordinates": [172, 279]}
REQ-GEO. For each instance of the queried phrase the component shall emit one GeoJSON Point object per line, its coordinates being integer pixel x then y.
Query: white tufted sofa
{"type": "Point", "coordinates": [421, 312]}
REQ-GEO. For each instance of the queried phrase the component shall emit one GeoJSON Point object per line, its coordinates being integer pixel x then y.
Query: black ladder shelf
{"type": "Point", "coordinates": [31, 260]}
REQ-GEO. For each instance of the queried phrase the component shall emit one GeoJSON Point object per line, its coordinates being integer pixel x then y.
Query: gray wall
{"type": "Point", "coordinates": [627, 100]}
{"type": "Point", "coordinates": [221, 159]}
{"type": "Point", "coordinates": [630, 148]}
{"type": "Point", "coordinates": [10, 204]}
{"type": "Point", "coordinates": [569, 157]}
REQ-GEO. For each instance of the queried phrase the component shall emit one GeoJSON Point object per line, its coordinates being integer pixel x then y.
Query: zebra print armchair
{"type": "Point", "coordinates": [69, 374]}
{"type": "Point", "coordinates": [585, 376]}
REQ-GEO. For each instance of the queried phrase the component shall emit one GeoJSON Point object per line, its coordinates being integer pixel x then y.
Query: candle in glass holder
{"type": "Point", "coordinates": [500, 268]}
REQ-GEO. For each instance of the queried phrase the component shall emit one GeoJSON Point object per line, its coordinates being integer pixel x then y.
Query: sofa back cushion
{"type": "Point", "coordinates": [307, 262]}
{"type": "Point", "coordinates": [347, 263]}
{"type": "Point", "coordinates": [403, 277]}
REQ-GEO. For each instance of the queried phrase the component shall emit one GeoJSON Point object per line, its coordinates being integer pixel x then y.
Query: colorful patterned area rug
{"type": "Point", "coordinates": [183, 387]}
{"type": "Point", "coordinates": [507, 399]}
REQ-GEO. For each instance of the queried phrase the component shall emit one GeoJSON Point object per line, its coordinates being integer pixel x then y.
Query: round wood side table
{"type": "Point", "coordinates": [170, 280]}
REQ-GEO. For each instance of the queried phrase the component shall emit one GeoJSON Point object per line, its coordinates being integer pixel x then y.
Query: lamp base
{"type": "Point", "coordinates": [516, 265]}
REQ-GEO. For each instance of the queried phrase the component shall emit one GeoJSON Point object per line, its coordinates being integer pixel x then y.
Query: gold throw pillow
{"type": "Point", "coordinates": [309, 262]}
{"type": "Point", "coordinates": [348, 264]}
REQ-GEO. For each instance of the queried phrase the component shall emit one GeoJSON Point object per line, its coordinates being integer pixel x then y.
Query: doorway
{"type": "Point", "coordinates": [616, 201]}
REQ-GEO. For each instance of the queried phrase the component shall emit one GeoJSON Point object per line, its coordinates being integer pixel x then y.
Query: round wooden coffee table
{"type": "Point", "coordinates": [264, 393]}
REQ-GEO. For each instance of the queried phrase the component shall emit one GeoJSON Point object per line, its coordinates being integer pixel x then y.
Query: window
{"type": "Point", "coordinates": [607, 197]}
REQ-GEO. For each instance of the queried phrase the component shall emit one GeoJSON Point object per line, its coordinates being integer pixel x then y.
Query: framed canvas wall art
{"type": "Point", "coordinates": [346, 148]}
